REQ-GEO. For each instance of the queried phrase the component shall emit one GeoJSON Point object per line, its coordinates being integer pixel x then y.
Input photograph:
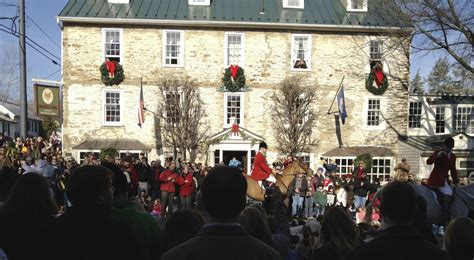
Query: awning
{"type": "Point", "coordinates": [6, 118]}
{"type": "Point", "coordinates": [119, 144]}
{"type": "Point", "coordinates": [360, 150]}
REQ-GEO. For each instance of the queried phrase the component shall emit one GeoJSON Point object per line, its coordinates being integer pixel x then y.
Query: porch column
{"type": "Point", "coordinates": [221, 155]}
{"type": "Point", "coordinates": [210, 158]}
{"type": "Point", "coordinates": [249, 160]}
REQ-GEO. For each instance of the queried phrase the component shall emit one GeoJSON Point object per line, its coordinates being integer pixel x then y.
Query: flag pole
{"type": "Point", "coordinates": [332, 103]}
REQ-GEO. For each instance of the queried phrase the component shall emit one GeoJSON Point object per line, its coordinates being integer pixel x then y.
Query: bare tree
{"type": "Point", "coordinates": [439, 25]}
{"type": "Point", "coordinates": [182, 112]}
{"type": "Point", "coordinates": [9, 76]}
{"type": "Point", "coordinates": [294, 115]}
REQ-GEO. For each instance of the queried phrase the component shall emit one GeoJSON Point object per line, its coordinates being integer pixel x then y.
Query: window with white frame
{"type": "Point", "coordinates": [112, 108]}
{"type": "Point", "coordinates": [293, 4]}
{"type": "Point", "coordinates": [381, 168]}
{"type": "Point", "coordinates": [344, 165]}
{"type": "Point", "coordinates": [465, 119]}
{"type": "Point", "coordinates": [301, 52]}
{"type": "Point", "coordinates": [173, 48]}
{"type": "Point", "coordinates": [357, 5]}
{"type": "Point", "coordinates": [234, 49]}
{"type": "Point", "coordinates": [173, 102]}
{"type": "Point", "coordinates": [199, 2]}
{"type": "Point", "coordinates": [373, 112]}
{"type": "Point", "coordinates": [234, 110]}
{"type": "Point", "coordinates": [112, 44]}
{"type": "Point", "coordinates": [414, 115]}
{"type": "Point", "coordinates": [376, 52]}
{"type": "Point", "coordinates": [440, 120]}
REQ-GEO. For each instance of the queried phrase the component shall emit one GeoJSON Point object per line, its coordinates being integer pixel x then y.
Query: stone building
{"type": "Point", "coordinates": [200, 38]}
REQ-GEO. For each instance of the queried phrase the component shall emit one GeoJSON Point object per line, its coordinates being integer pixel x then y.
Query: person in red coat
{"type": "Point", "coordinates": [168, 181]}
{"type": "Point", "coordinates": [444, 162]}
{"type": "Point", "coordinates": [261, 171]}
{"type": "Point", "coordinates": [185, 182]}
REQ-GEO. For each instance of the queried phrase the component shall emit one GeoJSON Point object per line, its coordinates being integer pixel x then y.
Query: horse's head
{"type": "Point", "coordinates": [295, 168]}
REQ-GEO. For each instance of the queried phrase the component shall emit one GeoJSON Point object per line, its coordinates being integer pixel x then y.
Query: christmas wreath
{"type": "Point", "coordinates": [381, 81]}
{"type": "Point", "coordinates": [234, 78]}
{"type": "Point", "coordinates": [111, 73]}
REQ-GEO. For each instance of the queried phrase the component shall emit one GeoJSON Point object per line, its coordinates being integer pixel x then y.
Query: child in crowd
{"type": "Point", "coordinates": [331, 197]}
{"type": "Point", "coordinates": [360, 215]}
{"type": "Point", "coordinates": [156, 212]}
{"type": "Point", "coordinates": [320, 199]}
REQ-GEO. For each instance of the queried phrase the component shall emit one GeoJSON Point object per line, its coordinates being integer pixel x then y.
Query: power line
{"type": "Point", "coordinates": [47, 77]}
{"type": "Point", "coordinates": [45, 34]}
{"type": "Point", "coordinates": [33, 47]}
{"type": "Point", "coordinates": [37, 44]}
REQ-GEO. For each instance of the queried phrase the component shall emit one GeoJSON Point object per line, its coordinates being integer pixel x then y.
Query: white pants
{"type": "Point", "coordinates": [446, 189]}
{"type": "Point", "coordinates": [270, 178]}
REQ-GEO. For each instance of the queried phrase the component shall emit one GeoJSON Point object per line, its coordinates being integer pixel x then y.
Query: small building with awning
{"type": "Point", "coordinates": [125, 147]}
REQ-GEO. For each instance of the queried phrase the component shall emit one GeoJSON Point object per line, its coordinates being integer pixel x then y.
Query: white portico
{"type": "Point", "coordinates": [235, 142]}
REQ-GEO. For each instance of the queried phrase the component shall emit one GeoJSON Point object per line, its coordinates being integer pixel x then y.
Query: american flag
{"type": "Point", "coordinates": [141, 107]}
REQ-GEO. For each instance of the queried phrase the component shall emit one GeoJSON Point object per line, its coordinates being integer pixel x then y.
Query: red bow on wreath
{"type": "Point", "coordinates": [110, 65]}
{"type": "Point", "coordinates": [379, 76]}
{"type": "Point", "coordinates": [235, 129]}
{"type": "Point", "coordinates": [233, 71]}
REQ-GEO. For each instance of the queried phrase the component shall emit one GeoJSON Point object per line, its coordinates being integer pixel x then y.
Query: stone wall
{"type": "Point", "coordinates": [267, 63]}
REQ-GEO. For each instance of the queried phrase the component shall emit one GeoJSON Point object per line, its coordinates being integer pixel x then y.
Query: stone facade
{"type": "Point", "coordinates": [267, 63]}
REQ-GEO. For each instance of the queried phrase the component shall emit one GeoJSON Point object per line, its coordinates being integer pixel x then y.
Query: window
{"type": "Point", "coordinates": [373, 112]}
{"type": "Point", "coordinates": [217, 157]}
{"type": "Point", "coordinates": [376, 50]}
{"type": "Point", "coordinates": [301, 52]}
{"type": "Point", "coordinates": [465, 119]}
{"type": "Point", "coordinates": [173, 44]}
{"type": "Point", "coordinates": [112, 108]}
{"type": "Point", "coordinates": [414, 115]}
{"type": "Point", "coordinates": [112, 42]}
{"type": "Point", "coordinates": [172, 108]}
{"type": "Point", "coordinates": [234, 109]}
{"type": "Point", "coordinates": [199, 2]}
{"type": "Point", "coordinates": [293, 4]}
{"type": "Point", "coordinates": [83, 154]}
{"type": "Point", "coordinates": [380, 169]}
{"type": "Point", "coordinates": [357, 5]}
{"type": "Point", "coordinates": [344, 165]}
{"type": "Point", "coordinates": [439, 119]}
{"type": "Point", "coordinates": [234, 49]}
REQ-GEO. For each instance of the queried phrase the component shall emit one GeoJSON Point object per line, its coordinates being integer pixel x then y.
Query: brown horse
{"type": "Point", "coordinates": [256, 192]}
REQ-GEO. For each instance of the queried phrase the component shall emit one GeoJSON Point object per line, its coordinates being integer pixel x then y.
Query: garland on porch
{"type": "Point", "coordinates": [111, 73]}
{"type": "Point", "coordinates": [380, 79]}
{"type": "Point", "coordinates": [108, 151]}
{"type": "Point", "coordinates": [234, 78]}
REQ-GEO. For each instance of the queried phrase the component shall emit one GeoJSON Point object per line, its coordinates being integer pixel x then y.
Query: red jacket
{"type": "Point", "coordinates": [186, 185]}
{"type": "Point", "coordinates": [260, 171]}
{"type": "Point", "coordinates": [442, 165]}
{"type": "Point", "coordinates": [168, 185]}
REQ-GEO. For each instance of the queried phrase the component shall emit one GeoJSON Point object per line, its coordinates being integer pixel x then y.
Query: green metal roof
{"type": "Point", "coordinates": [315, 12]}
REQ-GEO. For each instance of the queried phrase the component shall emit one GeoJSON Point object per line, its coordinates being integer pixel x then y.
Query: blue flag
{"type": "Point", "coordinates": [341, 105]}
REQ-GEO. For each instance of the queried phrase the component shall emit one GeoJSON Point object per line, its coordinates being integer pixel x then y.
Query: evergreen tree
{"type": "Point", "coordinates": [463, 79]}
{"type": "Point", "coordinates": [439, 80]}
{"type": "Point", "coordinates": [417, 84]}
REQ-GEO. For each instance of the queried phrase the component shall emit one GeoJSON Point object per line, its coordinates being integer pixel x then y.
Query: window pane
{"type": "Point", "coordinates": [234, 49]}
{"type": "Point", "coordinates": [112, 107]}
{"type": "Point", "coordinates": [233, 109]}
{"type": "Point", "coordinates": [173, 48]}
{"type": "Point", "coordinates": [301, 52]}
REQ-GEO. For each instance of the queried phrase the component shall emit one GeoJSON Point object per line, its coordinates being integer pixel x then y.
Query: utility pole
{"type": "Point", "coordinates": [23, 99]}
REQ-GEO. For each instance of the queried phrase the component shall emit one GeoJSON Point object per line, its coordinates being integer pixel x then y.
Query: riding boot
{"type": "Point", "coordinates": [446, 210]}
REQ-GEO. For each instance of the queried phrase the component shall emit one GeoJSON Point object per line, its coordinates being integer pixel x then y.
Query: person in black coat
{"type": "Point", "coordinates": [223, 197]}
{"type": "Point", "coordinates": [398, 238]}
{"type": "Point", "coordinates": [361, 189]}
{"type": "Point", "coordinates": [87, 230]}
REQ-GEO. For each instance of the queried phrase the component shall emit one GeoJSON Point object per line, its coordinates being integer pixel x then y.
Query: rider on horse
{"type": "Point", "coordinates": [261, 171]}
{"type": "Point", "coordinates": [444, 162]}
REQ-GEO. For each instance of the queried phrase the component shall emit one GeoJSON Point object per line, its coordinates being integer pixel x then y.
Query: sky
{"type": "Point", "coordinates": [44, 12]}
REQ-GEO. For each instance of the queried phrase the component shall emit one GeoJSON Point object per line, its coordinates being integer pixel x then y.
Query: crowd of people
{"type": "Point", "coordinates": [127, 208]}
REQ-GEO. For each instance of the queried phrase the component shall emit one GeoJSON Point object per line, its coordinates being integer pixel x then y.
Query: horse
{"type": "Point", "coordinates": [463, 202]}
{"type": "Point", "coordinates": [255, 190]}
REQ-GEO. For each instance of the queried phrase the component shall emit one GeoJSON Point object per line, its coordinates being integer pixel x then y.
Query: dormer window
{"type": "Point", "coordinates": [199, 2]}
{"type": "Point", "coordinates": [293, 4]}
{"type": "Point", "coordinates": [357, 5]}
{"type": "Point", "coordinates": [119, 1]}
